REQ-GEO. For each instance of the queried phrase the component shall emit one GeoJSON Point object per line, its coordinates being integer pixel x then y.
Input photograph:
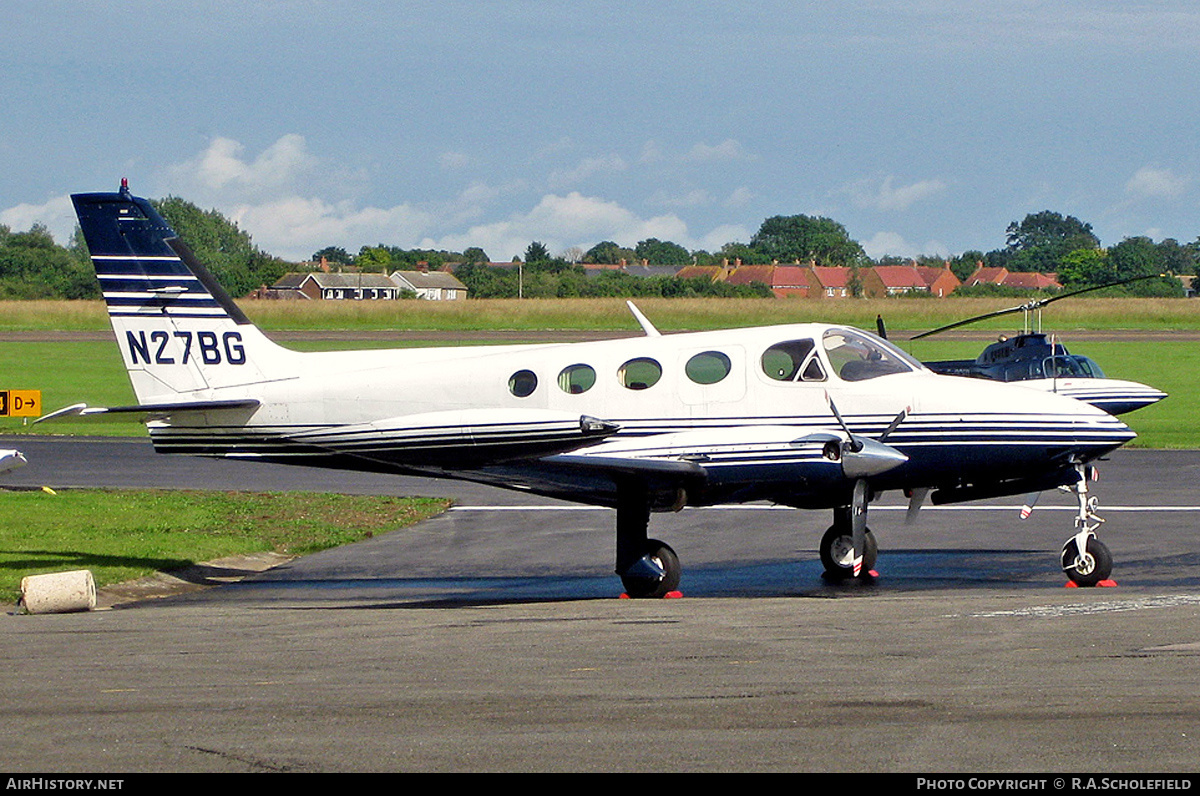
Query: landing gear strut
{"type": "Point", "coordinates": [1085, 559]}
{"type": "Point", "coordinates": [647, 567]}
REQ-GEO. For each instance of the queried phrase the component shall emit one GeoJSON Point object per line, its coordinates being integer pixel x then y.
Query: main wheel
{"type": "Point", "coordinates": [837, 552]}
{"type": "Point", "coordinates": [1090, 568]}
{"type": "Point", "coordinates": [655, 574]}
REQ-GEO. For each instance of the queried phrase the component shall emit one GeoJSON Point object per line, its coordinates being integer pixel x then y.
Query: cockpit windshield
{"type": "Point", "coordinates": [856, 355]}
{"type": "Point", "coordinates": [1071, 366]}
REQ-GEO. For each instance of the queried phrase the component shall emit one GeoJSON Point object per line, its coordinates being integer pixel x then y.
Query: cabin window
{"type": "Point", "coordinates": [794, 360]}
{"type": "Point", "coordinates": [522, 383]}
{"type": "Point", "coordinates": [640, 374]}
{"type": "Point", "coordinates": [576, 379]}
{"type": "Point", "coordinates": [856, 356]}
{"type": "Point", "coordinates": [709, 367]}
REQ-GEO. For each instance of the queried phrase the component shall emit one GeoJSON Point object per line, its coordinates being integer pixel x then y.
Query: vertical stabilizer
{"type": "Point", "coordinates": [180, 333]}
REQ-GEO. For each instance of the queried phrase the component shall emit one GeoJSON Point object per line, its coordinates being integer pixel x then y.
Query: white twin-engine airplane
{"type": "Point", "coordinates": [811, 416]}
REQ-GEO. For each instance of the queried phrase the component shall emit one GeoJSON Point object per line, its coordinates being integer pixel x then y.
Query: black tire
{"type": "Point", "coordinates": [639, 586]}
{"type": "Point", "coordinates": [836, 550]}
{"type": "Point", "coordinates": [1087, 570]}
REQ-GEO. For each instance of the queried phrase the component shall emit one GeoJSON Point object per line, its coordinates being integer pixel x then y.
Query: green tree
{"type": "Point", "coordinates": [227, 251]}
{"type": "Point", "coordinates": [966, 264]}
{"type": "Point", "coordinates": [607, 252]}
{"type": "Point", "coordinates": [1140, 256]}
{"type": "Point", "coordinates": [1085, 268]}
{"type": "Point", "coordinates": [1041, 240]}
{"type": "Point", "coordinates": [803, 238]}
{"type": "Point", "coordinates": [33, 266]}
{"type": "Point", "coordinates": [658, 252]}
{"type": "Point", "coordinates": [536, 252]}
{"type": "Point", "coordinates": [333, 254]}
{"type": "Point", "coordinates": [474, 254]}
{"type": "Point", "coordinates": [373, 258]}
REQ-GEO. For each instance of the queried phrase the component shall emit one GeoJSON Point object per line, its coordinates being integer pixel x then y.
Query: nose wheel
{"type": "Point", "coordinates": [1089, 567]}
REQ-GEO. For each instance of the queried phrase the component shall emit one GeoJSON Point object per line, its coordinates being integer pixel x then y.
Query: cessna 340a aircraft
{"type": "Point", "coordinates": [812, 416]}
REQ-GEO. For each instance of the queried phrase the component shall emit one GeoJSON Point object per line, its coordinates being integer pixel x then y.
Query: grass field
{"type": "Point", "coordinates": [612, 314]}
{"type": "Point", "coordinates": [123, 535]}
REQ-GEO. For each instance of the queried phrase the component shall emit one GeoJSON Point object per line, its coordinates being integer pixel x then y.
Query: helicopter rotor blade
{"type": "Point", "coordinates": [1035, 304]}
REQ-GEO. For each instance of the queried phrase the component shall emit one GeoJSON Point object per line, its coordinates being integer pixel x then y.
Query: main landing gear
{"type": "Point", "coordinates": [647, 567]}
{"type": "Point", "coordinates": [1085, 559]}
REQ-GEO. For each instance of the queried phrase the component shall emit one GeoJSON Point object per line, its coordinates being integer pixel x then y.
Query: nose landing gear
{"type": "Point", "coordinates": [1085, 559]}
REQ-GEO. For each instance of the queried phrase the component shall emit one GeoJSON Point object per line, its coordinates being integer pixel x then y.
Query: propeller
{"type": "Point", "coordinates": [1030, 306]}
{"type": "Point", "coordinates": [864, 457]}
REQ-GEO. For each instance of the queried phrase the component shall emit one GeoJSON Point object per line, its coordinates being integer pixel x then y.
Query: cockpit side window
{"type": "Point", "coordinates": [793, 360]}
{"type": "Point", "coordinates": [857, 356]}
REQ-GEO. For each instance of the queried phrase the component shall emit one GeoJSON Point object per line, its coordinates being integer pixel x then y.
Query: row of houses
{"type": "Point", "coordinates": [814, 281]}
{"type": "Point", "coordinates": [794, 280]}
{"type": "Point", "coordinates": [341, 286]}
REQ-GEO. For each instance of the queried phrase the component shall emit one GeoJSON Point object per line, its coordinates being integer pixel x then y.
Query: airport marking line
{"type": "Point", "coordinates": [1105, 607]}
{"type": "Point", "coordinates": [1039, 509]}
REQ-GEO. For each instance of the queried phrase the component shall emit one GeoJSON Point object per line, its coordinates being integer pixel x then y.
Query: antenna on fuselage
{"type": "Point", "coordinates": [647, 327]}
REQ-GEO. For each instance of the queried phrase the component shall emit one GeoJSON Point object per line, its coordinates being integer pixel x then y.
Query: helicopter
{"type": "Point", "coordinates": [1038, 360]}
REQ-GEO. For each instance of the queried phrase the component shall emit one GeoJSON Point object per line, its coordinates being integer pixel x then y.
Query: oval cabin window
{"type": "Point", "coordinates": [709, 367]}
{"type": "Point", "coordinates": [522, 383]}
{"type": "Point", "coordinates": [640, 374]}
{"type": "Point", "coordinates": [576, 379]}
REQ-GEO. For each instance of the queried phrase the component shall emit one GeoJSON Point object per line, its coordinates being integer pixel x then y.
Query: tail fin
{"type": "Point", "coordinates": [180, 333]}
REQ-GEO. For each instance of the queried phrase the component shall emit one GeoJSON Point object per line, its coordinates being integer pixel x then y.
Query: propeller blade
{"type": "Point", "coordinates": [855, 444]}
{"type": "Point", "coordinates": [914, 505]}
{"type": "Point", "coordinates": [880, 327]}
{"type": "Point", "coordinates": [1030, 501]}
{"type": "Point", "coordinates": [895, 423]}
{"type": "Point", "coordinates": [858, 523]}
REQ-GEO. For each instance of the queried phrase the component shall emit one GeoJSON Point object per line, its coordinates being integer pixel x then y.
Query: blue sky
{"type": "Point", "coordinates": [922, 126]}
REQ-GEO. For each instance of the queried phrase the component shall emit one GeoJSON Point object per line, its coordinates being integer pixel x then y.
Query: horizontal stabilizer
{"type": "Point", "coordinates": [150, 411]}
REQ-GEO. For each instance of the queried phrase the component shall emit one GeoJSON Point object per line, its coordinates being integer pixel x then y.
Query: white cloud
{"type": "Point", "coordinates": [58, 215]}
{"type": "Point", "coordinates": [885, 195]}
{"type": "Point", "coordinates": [1157, 183]}
{"type": "Point", "coordinates": [453, 161]}
{"type": "Point", "coordinates": [606, 164]}
{"type": "Point", "coordinates": [295, 227]}
{"type": "Point", "coordinates": [561, 222]}
{"type": "Point", "coordinates": [697, 197]}
{"type": "Point", "coordinates": [222, 170]}
{"type": "Point", "coordinates": [740, 197]}
{"type": "Point", "coordinates": [725, 151]}
{"type": "Point", "coordinates": [893, 243]}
